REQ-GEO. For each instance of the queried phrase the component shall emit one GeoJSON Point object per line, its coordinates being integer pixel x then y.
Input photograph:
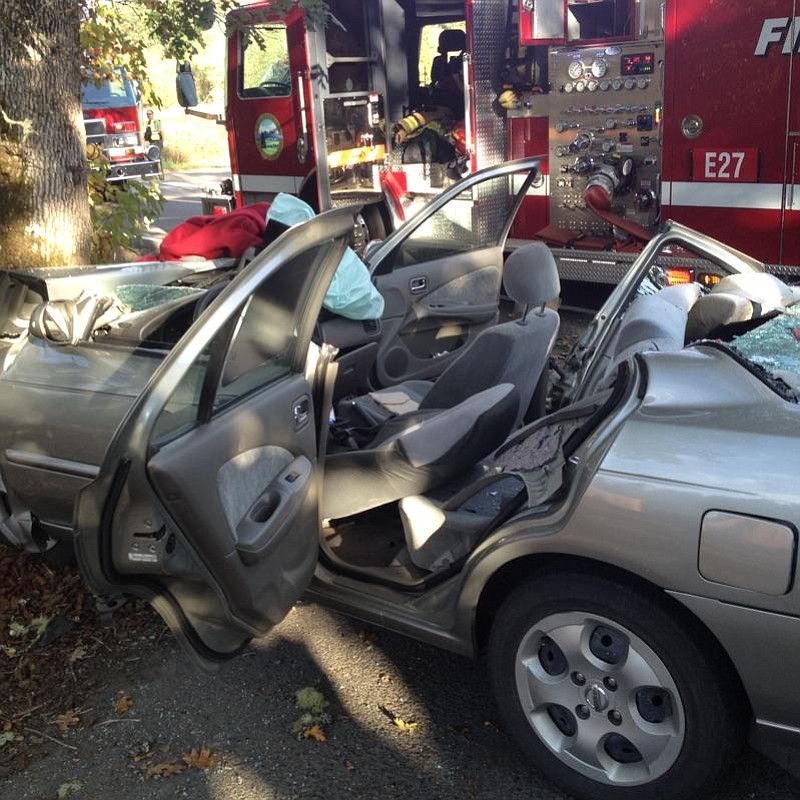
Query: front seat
{"type": "Point", "coordinates": [514, 352]}
{"type": "Point", "coordinates": [450, 41]}
{"type": "Point", "coordinates": [429, 451]}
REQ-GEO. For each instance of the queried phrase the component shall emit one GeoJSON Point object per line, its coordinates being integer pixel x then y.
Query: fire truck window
{"type": "Point", "coordinates": [590, 20]}
{"type": "Point", "coordinates": [429, 50]}
{"type": "Point", "coordinates": [348, 40]}
{"type": "Point", "coordinates": [265, 62]}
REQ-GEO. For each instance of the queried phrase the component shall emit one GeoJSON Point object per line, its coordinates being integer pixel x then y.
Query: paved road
{"type": "Point", "coordinates": [182, 192]}
{"type": "Point", "coordinates": [244, 715]}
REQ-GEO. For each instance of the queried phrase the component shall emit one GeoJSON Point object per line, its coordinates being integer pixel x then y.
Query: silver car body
{"type": "Point", "coordinates": [682, 479]}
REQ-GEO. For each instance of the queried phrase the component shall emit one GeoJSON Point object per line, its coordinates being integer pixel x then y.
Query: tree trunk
{"type": "Point", "coordinates": [44, 207]}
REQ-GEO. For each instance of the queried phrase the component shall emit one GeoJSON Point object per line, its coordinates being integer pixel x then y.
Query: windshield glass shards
{"type": "Point", "coordinates": [775, 347]}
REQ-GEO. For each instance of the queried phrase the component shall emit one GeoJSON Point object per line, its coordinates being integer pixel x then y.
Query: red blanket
{"type": "Point", "coordinates": [216, 236]}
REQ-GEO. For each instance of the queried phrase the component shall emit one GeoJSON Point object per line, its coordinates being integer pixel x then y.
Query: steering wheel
{"type": "Point", "coordinates": [207, 299]}
{"type": "Point", "coordinates": [280, 86]}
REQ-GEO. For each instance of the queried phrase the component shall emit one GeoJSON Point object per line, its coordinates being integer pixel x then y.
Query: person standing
{"type": "Point", "coordinates": [154, 132]}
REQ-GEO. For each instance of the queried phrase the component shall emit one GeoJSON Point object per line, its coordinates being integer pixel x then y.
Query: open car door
{"type": "Point", "coordinates": [440, 274]}
{"type": "Point", "coordinates": [206, 504]}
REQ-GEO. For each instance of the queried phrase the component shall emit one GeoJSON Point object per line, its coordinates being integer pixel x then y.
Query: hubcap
{"type": "Point", "coordinates": [600, 698]}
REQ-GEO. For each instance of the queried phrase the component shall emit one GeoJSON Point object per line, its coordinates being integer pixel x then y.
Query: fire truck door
{"type": "Point", "coordinates": [267, 97]}
{"type": "Point", "coordinates": [727, 85]}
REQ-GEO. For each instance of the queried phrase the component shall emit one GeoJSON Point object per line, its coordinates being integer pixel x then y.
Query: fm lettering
{"type": "Point", "coordinates": [779, 30]}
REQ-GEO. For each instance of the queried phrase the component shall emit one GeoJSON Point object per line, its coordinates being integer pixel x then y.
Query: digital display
{"type": "Point", "coordinates": [638, 64]}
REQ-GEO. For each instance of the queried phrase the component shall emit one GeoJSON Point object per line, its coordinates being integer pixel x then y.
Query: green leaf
{"type": "Point", "coordinates": [66, 789]}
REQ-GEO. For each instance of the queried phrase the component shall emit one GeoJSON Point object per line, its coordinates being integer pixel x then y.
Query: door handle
{"type": "Point", "coordinates": [300, 412]}
{"type": "Point", "coordinates": [418, 285]}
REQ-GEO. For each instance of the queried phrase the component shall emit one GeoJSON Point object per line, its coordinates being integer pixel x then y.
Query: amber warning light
{"type": "Point", "coordinates": [677, 276]}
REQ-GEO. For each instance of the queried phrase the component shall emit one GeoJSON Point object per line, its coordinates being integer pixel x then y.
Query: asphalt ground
{"type": "Point", "coordinates": [449, 744]}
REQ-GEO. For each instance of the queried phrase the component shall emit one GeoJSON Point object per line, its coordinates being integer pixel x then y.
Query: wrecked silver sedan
{"type": "Point", "coordinates": [624, 561]}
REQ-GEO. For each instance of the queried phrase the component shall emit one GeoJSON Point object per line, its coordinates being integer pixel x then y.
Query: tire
{"type": "Point", "coordinates": [374, 221]}
{"type": "Point", "coordinates": [647, 709]}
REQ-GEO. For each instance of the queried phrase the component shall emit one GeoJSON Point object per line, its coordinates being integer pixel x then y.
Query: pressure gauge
{"type": "Point", "coordinates": [580, 86]}
{"type": "Point", "coordinates": [617, 84]}
{"type": "Point", "coordinates": [575, 70]}
{"type": "Point", "coordinates": [610, 124]}
{"type": "Point", "coordinates": [630, 83]}
{"type": "Point", "coordinates": [605, 85]}
{"type": "Point", "coordinates": [599, 67]}
{"type": "Point", "coordinates": [592, 85]}
{"type": "Point", "coordinates": [569, 87]}
{"type": "Point", "coordinates": [642, 83]}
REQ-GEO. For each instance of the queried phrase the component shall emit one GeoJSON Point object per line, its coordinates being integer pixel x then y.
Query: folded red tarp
{"type": "Point", "coordinates": [216, 236]}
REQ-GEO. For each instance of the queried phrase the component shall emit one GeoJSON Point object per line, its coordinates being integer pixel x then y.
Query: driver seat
{"type": "Point", "coordinates": [450, 41]}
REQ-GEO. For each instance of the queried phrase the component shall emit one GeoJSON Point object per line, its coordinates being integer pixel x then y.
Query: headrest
{"type": "Point", "coordinates": [69, 321]}
{"type": "Point", "coordinates": [714, 310]}
{"type": "Point", "coordinates": [451, 40]}
{"type": "Point", "coordinates": [768, 291]}
{"type": "Point", "coordinates": [682, 296]}
{"type": "Point", "coordinates": [530, 275]}
{"type": "Point", "coordinates": [654, 322]}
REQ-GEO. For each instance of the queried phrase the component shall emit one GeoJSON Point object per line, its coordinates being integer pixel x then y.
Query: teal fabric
{"type": "Point", "coordinates": [351, 293]}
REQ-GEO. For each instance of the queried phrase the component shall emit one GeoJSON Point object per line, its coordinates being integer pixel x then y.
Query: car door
{"type": "Point", "coordinates": [440, 274]}
{"type": "Point", "coordinates": [206, 503]}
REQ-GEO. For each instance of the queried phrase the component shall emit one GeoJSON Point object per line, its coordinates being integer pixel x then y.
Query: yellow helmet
{"type": "Point", "coordinates": [508, 98]}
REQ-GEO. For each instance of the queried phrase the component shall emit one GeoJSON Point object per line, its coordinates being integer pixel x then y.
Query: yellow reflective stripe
{"type": "Point", "coordinates": [356, 155]}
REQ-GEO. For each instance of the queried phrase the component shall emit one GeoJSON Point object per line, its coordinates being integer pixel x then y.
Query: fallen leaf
{"type": "Point", "coordinates": [200, 759]}
{"type": "Point", "coordinates": [164, 769]}
{"type": "Point", "coordinates": [39, 625]}
{"type": "Point", "coordinates": [66, 789]}
{"type": "Point", "coordinates": [17, 629]}
{"type": "Point", "coordinates": [68, 720]}
{"type": "Point", "coordinates": [11, 651]}
{"type": "Point", "coordinates": [77, 654]}
{"type": "Point", "coordinates": [316, 733]}
{"type": "Point", "coordinates": [349, 765]}
{"type": "Point", "coordinates": [311, 700]}
{"type": "Point", "coordinates": [124, 702]}
{"type": "Point", "coordinates": [7, 737]}
{"type": "Point", "coordinates": [408, 727]}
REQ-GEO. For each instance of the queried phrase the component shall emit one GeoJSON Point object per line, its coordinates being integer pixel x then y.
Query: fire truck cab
{"type": "Point", "coordinates": [646, 111]}
{"type": "Point", "coordinates": [112, 120]}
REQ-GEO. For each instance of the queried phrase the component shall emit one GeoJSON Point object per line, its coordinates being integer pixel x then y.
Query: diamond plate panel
{"type": "Point", "coordinates": [488, 46]}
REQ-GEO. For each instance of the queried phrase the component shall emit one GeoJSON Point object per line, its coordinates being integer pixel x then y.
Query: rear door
{"type": "Point", "coordinates": [206, 502]}
{"type": "Point", "coordinates": [440, 274]}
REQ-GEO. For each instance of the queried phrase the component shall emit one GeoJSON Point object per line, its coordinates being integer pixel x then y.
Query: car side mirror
{"type": "Point", "coordinates": [185, 87]}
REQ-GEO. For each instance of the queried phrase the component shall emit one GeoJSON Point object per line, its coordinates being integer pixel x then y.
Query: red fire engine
{"type": "Point", "coordinates": [113, 123]}
{"type": "Point", "coordinates": [647, 111]}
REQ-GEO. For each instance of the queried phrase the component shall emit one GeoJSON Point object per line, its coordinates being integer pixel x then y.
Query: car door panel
{"type": "Point", "coordinates": [207, 500]}
{"type": "Point", "coordinates": [440, 275]}
{"type": "Point", "coordinates": [424, 332]}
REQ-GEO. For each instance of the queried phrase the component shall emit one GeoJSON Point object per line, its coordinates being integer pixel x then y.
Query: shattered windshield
{"type": "Point", "coordinates": [775, 347]}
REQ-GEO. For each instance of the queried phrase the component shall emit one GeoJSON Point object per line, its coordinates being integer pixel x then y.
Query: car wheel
{"type": "Point", "coordinates": [608, 692]}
